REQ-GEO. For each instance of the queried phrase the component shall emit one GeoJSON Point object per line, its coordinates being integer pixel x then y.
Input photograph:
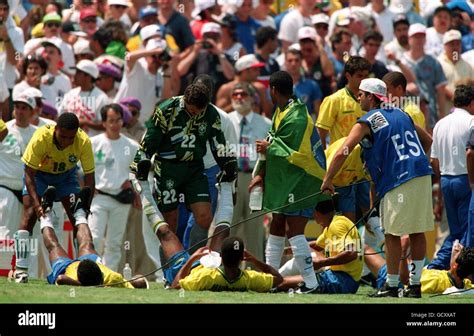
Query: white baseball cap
{"type": "Point", "coordinates": [88, 67]}
{"type": "Point", "coordinates": [416, 28]}
{"type": "Point", "coordinates": [118, 3]}
{"type": "Point", "coordinates": [211, 27]}
{"type": "Point", "coordinates": [200, 5]}
{"type": "Point", "coordinates": [54, 41]}
{"type": "Point", "coordinates": [150, 31]}
{"type": "Point", "coordinates": [247, 62]}
{"type": "Point", "coordinates": [375, 86]}
{"type": "Point", "coordinates": [307, 33]}
{"type": "Point", "coordinates": [451, 35]}
{"type": "Point", "coordinates": [295, 46]}
{"type": "Point", "coordinates": [82, 47]}
{"type": "Point", "coordinates": [155, 44]}
{"type": "Point", "coordinates": [33, 92]}
{"type": "Point", "coordinates": [25, 98]}
{"type": "Point", "coordinates": [320, 18]}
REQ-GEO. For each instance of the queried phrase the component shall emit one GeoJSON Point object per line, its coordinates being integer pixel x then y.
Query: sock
{"type": "Point", "coordinates": [303, 260]}
{"type": "Point", "coordinates": [22, 249]}
{"type": "Point", "coordinates": [376, 227]}
{"type": "Point", "coordinates": [46, 221]}
{"type": "Point", "coordinates": [274, 250]}
{"type": "Point", "coordinates": [416, 266]}
{"type": "Point", "coordinates": [289, 268]}
{"type": "Point", "coordinates": [393, 280]}
{"type": "Point", "coordinates": [80, 217]}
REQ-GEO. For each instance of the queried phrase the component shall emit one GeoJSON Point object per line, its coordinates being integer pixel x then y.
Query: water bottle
{"type": "Point", "coordinates": [256, 198]}
{"type": "Point", "coordinates": [127, 272]}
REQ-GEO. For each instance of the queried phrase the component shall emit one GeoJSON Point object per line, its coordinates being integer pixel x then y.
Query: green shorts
{"type": "Point", "coordinates": [181, 182]}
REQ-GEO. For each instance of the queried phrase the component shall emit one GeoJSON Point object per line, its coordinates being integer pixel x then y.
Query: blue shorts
{"type": "Point", "coordinates": [174, 265]}
{"type": "Point", "coordinates": [308, 213]}
{"type": "Point", "coordinates": [60, 264]}
{"type": "Point", "coordinates": [65, 183]}
{"type": "Point", "coordinates": [336, 282]}
{"type": "Point", "coordinates": [351, 196]}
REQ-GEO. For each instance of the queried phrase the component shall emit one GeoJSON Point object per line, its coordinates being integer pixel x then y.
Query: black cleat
{"type": "Point", "coordinates": [82, 200]}
{"type": "Point", "coordinates": [412, 291]}
{"type": "Point", "coordinates": [305, 290]}
{"type": "Point", "coordinates": [387, 291]}
{"type": "Point", "coordinates": [48, 199]}
{"type": "Point", "coordinates": [368, 280]}
{"type": "Point", "coordinates": [143, 168]}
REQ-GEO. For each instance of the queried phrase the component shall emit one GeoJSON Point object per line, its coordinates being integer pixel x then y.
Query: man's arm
{"type": "Point", "coordinates": [470, 166]}
{"type": "Point", "coordinates": [277, 278]}
{"type": "Point", "coordinates": [31, 187]}
{"type": "Point", "coordinates": [441, 99]}
{"type": "Point", "coordinates": [223, 97]}
{"type": "Point", "coordinates": [425, 138]}
{"type": "Point", "coordinates": [340, 259]}
{"type": "Point", "coordinates": [186, 269]}
{"type": "Point", "coordinates": [89, 181]}
{"type": "Point", "coordinates": [65, 280]}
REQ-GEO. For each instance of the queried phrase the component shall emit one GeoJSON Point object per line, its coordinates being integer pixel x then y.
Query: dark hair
{"type": "Point", "coordinates": [207, 81]}
{"type": "Point", "coordinates": [373, 35]}
{"type": "Point", "coordinates": [59, 7]}
{"type": "Point", "coordinates": [232, 251]}
{"type": "Point", "coordinates": [103, 36]}
{"type": "Point", "coordinates": [69, 121]}
{"type": "Point", "coordinates": [5, 3]}
{"type": "Point", "coordinates": [294, 52]}
{"type": "Point", "coordinates": [197, 95]}
{"type": "Point", "coordinates": [465, 261]}
{"type": "Point", "coordinates": [89, 273]}
{"type": "Point", "coordinates": [282, 82]}
{"type": "Point", "coordinates": [34, 59]}
{"type": "Point", "coordinates": [356, 63]}
{"type": "Point", "coordinates": [442, 9]}
{"type": "Point", "coordinates": [395, 78]}
{"type": "Point", "coordinates": [463, 95]}
{"type": "Point", "coordinates": [265, 34]}
{"type": "Point", "coordinates": [327, 206]}
{"type": "Point", "coordinates": [337, 38]}
{"type": "Point", "coordinates": [115, 107]}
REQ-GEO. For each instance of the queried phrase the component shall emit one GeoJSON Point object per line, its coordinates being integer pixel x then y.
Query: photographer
{"type": "Point", "coordinates": [207, 57]}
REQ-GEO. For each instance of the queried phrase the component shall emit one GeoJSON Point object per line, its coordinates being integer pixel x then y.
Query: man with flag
{"type": "Point", "coordinates": [291, 177]}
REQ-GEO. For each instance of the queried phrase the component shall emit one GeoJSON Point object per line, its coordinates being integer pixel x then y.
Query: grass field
{"type": "Point", "coordinates": [37, 291]}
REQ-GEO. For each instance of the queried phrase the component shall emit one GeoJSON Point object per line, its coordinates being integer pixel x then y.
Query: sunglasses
{"type": "Point", "coordinates": [322, 26]}
{"type": "Point", "coordinates": [90, 20]}
{"type": "Point", "coordinates": [118, 6]}
{"type": "Point", "coordinates": [53, 24]}
{"type": "Point", "coordinates": [242, 94]}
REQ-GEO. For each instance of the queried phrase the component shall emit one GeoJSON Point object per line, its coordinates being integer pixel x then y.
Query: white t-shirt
{"type": "Point", "coordinates": [45, 121]}
{"type": "Point", "coordinates": [60, 85]}
{"type": "Point", "coordinates": [450, 137]}
{"type": "Point", "coordinates": [290, 25]}
{"type": "Point", "coordinates": [141, 84]}
{"type": "Point", "coordinates": [18, 41]}
{"type": "Point", "coordinates": [384, 22]}
{"type": "Point", "coordinates": [268, 22]}
{"type": "Point", "coordinates": [48, 94]}
{"type": "Point", "coordinates": [468, 56]}
{"type": "Point", "coordinates": [434, 42]}
{"type": "Point", "coordinates": [85, 104]}
{"type": "Point", "coordinates": [230, 137]}
{"type": "Point", "coordinates": [112, 161]}
{"type": "Point", "coordinates": [67, 52]}
{"type": "Point", "coordinates": [11, 151]}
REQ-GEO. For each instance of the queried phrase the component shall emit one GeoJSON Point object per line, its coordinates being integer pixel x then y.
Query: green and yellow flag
{"type": "Point", "coordinates": [295, 161]}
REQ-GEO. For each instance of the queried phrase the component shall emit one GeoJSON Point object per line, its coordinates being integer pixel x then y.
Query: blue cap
{"type": "Point", "coordinates": [148, 10]}
{"type": "Point", "coordinates": [461, 5]}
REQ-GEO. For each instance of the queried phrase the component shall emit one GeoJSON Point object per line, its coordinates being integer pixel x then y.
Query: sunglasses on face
{"type": "Point", "coordinates": [242, 94]}
{"type": "Point", "coordinates": [90, 20]}
{"type": "Point", "coordinates": [322, 26]}
{"type": "Point", "coordinates": [118, 7]}
{"type": "Point", "coordinates": [53, 24]}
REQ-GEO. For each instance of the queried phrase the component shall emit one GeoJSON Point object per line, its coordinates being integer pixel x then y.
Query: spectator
{"type": "Point", "coordinates": [147, 16]}
{"type": "Point", "coordinates": [406, 7]}
{"type": "Point", "coordinates": [383, 16]}
{"type": "Point", "coordinates": [203, 12]}
{"type": "Point", "coordinates": [399, 45]}
{"type": "Point", "coordinates": [468, 39]}
{"type": "Point", "coordinates": [341, 44]}
{"type": "Point", "coordinates": [36, 118]}
{"type": "Point", "coordinates": [267, 44]}
{"type": "Point", "coordinates": [321, 24]}
{"type": "Point", "coordinates": [293, 21]}
{"type": "Point", "coordinates": [117, 11]}
{"type": "Point", "coordinates": [246, 26]}
{"type": "Point", "coordinates": [262, 13]}
{"type": "Point", "coordinates": [231, 46]}
{"type": "Point", "coordinates": [88, 21]}
{"type": "Point", "coordinates": [109, 75]}
{"type": "Point", "coordinates": [134, 128]}
{"type": "Point", "coordinates": [82, 50]}
{"type": "Point", "coordinates": [434, 35]}
{"type": "Point", "coordinates": [49, 112]}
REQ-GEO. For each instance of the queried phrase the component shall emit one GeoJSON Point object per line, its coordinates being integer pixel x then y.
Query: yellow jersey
{"type": "Point", "coordinates": [435, 281]}
{"type": "Point", "coordinates": [110, 277]}
{"type": "Point", "coordinates": [415, 113]}
{"type": "Point", "coordinates": [134, 43]}
{"type": "Point", "coordinates": [338, 113]}
{"type": "Point", "coordinates": [3, 126]}
{"type": "Point", "coordinates": [202, 278]}
{"type": "Point", "coordinates": [42, 153]}
{"type": "Point", "coordinates": [334, 239]}
{"type": "Point", "coordinates": [353, 168]}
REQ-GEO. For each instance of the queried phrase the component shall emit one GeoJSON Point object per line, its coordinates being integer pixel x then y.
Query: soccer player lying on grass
{"type": "Point", "coordinates": [87, 269]}
{"type": "Point", "coordinates": [433, 281]}
{"type": "Point", "coordinates": [340, 242]}
{"type": "Point", "coordinates": [228, 277]}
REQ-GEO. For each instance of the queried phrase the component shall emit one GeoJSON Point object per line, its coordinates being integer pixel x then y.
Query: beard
{"type": "Point", "coordinates": [243, 107]}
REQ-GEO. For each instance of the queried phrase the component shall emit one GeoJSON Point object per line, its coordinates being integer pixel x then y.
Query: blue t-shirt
{"type": "Point", "coordinates": [393, 153]}
{"type": "Point", "coordinates": [308, 91]}
{"type": "Point", "coordinates": [467, 42]}
{"type": "Point", "coordinates": [245, 32]}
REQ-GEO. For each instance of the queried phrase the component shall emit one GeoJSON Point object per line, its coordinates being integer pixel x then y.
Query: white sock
{"type": "Point", "coordinates": [46, 221]}
{"type": "Point", "coordinates": [274, 250]}
{"type": "Point", "coordinates": [22, 249]}
{"type": "Point", "coordinates": [393, 280]}
{"type": "Point", "coordinates": [289, 268]}
{"type": "Point", "coordinates": [80, 217]}
{"type": "Point", "coordinates": [303, 260]}
{"type": "Point", "coordinates": [416, 266]}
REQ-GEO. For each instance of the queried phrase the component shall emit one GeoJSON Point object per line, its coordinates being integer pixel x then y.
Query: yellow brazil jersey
{"type": "Point", "coordinates": [135, 42]}
{"type": "Point", "coordinates": [3, 126]}
{"type": "Point", "coordinates": [202, 278]}
{"type": "Point", "coordinates": [338, 113]}
{"type": "Point", "coordinates": [335, 238]}
{"type": "Point", "coordinates": [353, 168]}
{"type": "Point", "coordinates": [110, 277]}
{"type": "Point", "coordinates": [42, 153]}
{"type": "Point", "coordinates": [415, 113]}
{"type": "Point", "coordinates": [435, 281]}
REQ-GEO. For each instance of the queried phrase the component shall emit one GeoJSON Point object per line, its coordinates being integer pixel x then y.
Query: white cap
{"type": "Point", "coordinates": [374, 86]}
{"type": "Point", "coordinates": [155, 44]}
{"type": "Point", "coordinates": [118, 3]}
{"type": "Point", "coordinates": [33, 92]}
{"type": "Point", "coordinates": [451, 35]}
{"type": "Point", "coordinates": [247, 62]}
{"type": "Point", "coordinates": [400, 6]}
{"type": "Point", "coordinates": [200, 5]}
{"type": "Point", "coordinates": [150, 31]}
{"type": "Point", "coordinates": [307, 33]}
{"type": "Point", "coordinates": [416, 28]}
{"type": "Point", "coordinates": [295, 46]}
{"type": "Point", "coordinates": [211, 27]}
{"type": "Point", "coordinates": [55, 41]}
{"type": "Point", "coordinates": [89, 68]}
{"type": "Point", "coordinates": [82, 47]}
{"type": "Point", "coordinates": [25, 98]}
{"type": "Point", "coordinates": [320, 18]}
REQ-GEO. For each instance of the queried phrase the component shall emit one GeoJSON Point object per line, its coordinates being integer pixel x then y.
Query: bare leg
{"type": "Point", "coordinates": [394, 251]}
{"type": "Point", "coordinates": [50, 240]}
{"type": "Point", "coordinates": [171, 217]}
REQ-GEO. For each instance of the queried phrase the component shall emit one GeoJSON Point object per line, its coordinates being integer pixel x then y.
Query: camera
{"type": "Point", "coordinates": [165, 55]}
{"type": "Point", "coordinates": [206, 44]}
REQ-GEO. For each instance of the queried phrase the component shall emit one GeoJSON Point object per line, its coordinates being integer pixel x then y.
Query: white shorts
{"type": "Point", "coordinates": [11, 212]}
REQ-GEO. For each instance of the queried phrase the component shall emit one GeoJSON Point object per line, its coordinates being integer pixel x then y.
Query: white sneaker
{"type": "Point", "coordinates": [18, 276]}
